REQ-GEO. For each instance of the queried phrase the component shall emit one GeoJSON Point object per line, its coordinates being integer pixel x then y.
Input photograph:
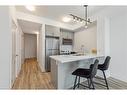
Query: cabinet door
{"type": "Point", "coordinates": [67, 34]}
{"type": "Point", "coordinates": [48, 30]}
{"type": "Point", "coordinates": [64, 35]}
{"type": "Point", "coordinates": [56, 31]}
{"type": "Point", "coordinates": [52, 31]}
{"type": "Point", "coordinates": [70, 35]}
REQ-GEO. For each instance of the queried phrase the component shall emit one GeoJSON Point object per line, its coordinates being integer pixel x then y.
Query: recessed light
{"type": "Point", "coordinates": [30, 8]}
{"type": "Point", "coordinates": [74, 20]}
{"type": "Point", "coordinates": [66, 19]}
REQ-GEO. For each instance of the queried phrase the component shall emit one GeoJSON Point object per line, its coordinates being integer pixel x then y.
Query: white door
{"type": "Point", "coordinates": [13, 65]}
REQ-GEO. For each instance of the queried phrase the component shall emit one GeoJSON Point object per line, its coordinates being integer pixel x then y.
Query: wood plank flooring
{"type": "Point", "coordinates": [31, 77]}
{"type": "Point", "coordinates": [113, 84]}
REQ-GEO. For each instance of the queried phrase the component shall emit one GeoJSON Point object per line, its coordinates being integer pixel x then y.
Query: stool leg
{"type": "Point", "coordinates": [105, 80]}
{"type": "Point", "coordinates": [91, 80]}
{"type": "Point", "coordinates": [75, 82]}
{"type": "Point", "coordinates": [78, 81]}
{"type": "Point", "coordinates": [88, 83]}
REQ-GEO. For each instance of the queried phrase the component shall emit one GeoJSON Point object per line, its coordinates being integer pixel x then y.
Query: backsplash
{"type": "Point", "coordinates": [66, 47]}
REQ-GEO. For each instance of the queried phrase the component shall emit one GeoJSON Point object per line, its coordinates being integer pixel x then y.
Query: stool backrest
{"type": "Point", "coordinates": [94, 68]}
{"type": "Point", "coordinates": [106, 63]}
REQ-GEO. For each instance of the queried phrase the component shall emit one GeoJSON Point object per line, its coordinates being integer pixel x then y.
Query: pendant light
{"type": "Point", "coordinates": [85, 20]}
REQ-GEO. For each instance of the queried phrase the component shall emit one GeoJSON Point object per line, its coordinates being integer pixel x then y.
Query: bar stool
{"type": "Point", "coordinates": [104, 67]}
{"type": "Point", "coordinates": [86, 73]}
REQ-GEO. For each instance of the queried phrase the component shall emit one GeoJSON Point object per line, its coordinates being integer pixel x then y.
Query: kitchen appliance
{"type": "Point", "coordinates": [52, 48]}
{"type": "Point", "coordinates": [67, 52]}
{"type": "Point", "coordinates": [67, 41]}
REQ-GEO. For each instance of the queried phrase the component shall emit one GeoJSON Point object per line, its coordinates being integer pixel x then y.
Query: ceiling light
{"type": "Point", "coordinates": [77, 20]}
{"type": "Point", "coordinates": [82, 20]}
{"type": "Point", "coordinates": [30, 8]}
{"type": "Point", "coordinates": [66, 19]}
{"type": "Point", "coordinates": [74, 19]}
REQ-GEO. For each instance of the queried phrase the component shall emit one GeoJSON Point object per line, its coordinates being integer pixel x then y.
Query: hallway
{"type": "Point", "coordinates": [31, 77]}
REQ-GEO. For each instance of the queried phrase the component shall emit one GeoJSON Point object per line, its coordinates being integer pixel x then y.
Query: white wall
{"type": "Point", "coordinates": [5, 48]}
{"type": "Point", "coordinates": [103, 31]}
{"type": "Point", "coordinates": [41, 48]}
{"type": "Point", "coordinates": [87, 37]}
{"type": "Point", "coordinates": [22, 48]}
{"type": "Point", "coordinates": [30, 45]}
{"type": "Point", "coordinates": [19, 59]}
{"type": "Point", "coordinates": [38, 47]}
{"type": "Point", "coordinates": [118, 46]}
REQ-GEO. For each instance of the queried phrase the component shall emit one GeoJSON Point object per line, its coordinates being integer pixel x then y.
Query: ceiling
{"type": "Point", "coordinates": [58, 12]}
{"type": "Point", "coordinates": [29, 27]}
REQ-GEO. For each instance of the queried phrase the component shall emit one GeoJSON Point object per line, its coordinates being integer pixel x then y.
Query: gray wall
{"type": "Point", "coordinates": [118, 46]}
{"type": "Point", "coordinates": [87, 37]}
{"type": "Point", "coordinates": [5, 48]}
{"type": "Point", "coordinates": [30, 45]}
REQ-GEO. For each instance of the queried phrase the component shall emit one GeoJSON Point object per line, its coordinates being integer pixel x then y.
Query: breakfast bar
{"type": "Point", "coordinates": [63, 65]}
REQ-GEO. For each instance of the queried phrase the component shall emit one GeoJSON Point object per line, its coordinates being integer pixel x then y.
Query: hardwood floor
{"type": "Point", "coordinates": [31, 77]}
{"type": "Point", "coordinates": [113, 84]}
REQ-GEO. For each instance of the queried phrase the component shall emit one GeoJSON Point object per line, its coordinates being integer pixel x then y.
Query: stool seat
{"type": "Point", "coordinates": [86, 73]}
{"type": "Point", "coordinates": [101, 67]}
{"type": "Point", "coordinates": [82, 72]}
{"type": "Point", "coordinates": [104, 67]}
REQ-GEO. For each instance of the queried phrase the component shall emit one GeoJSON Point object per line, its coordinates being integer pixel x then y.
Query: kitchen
{"type": "Point", "coordinates": [65, 44]}
{"type": "Point", "coordinates": [93, 42]}
{"type": "Point", "coordinates": [54, 47]}
{"type": "Point", "coordinates": [69, 41]}
{"type": "Point", "coordinates": [67, 50]}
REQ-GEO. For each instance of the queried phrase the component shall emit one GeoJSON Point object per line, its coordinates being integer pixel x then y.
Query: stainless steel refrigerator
{"type": "Point", "coordinates": [52, 48]}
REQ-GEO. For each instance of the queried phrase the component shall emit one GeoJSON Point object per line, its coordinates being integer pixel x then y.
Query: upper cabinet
{"type": "Point", "coordinates": [67, 37]}
{"type": "Point", "coordinates": [52, 31]}
{"type": "Point", "coordinates": [67, 34]}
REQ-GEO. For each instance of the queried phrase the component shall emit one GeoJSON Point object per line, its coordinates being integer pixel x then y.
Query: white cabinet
{"type": "Point", "coordinates": [52, 31]}
{"type": "Point", "coordinates": [70, 35]}
{"type": "Point", "coordinates": [66, 37]}
{"type": "Point", "coordinates": [67, 34]}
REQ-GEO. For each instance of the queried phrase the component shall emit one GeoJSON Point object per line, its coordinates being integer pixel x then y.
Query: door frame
{"type": "Point", "coordinates": [13, 64]}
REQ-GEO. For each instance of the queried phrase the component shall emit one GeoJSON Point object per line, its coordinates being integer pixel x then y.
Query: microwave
{"type": "Point", "coordinates": [66, 41]}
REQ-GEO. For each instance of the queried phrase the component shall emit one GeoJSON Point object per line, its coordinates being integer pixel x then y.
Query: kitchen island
{"type": "Point", "coordinates": [63, 65]}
